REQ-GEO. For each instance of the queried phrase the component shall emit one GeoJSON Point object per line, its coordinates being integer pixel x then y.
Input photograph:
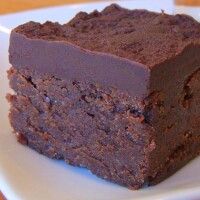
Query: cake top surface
{"type": "Point", "coordinates": [139, 35]}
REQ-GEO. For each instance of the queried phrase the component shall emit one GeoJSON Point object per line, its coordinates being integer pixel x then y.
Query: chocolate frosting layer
{"type": "Point", "coordinates": [115, 47]}
{"type": "Point", "coordinates": [68, 61]}
{"type": "Point", "coordinates": [138, 35]}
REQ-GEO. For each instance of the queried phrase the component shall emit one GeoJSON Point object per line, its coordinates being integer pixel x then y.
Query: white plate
{"type": "Point", "coordinates": [25, 174]}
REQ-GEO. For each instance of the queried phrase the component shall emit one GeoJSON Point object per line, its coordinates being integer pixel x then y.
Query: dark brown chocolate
{"type": "Point", "coordinates": [115, 91]}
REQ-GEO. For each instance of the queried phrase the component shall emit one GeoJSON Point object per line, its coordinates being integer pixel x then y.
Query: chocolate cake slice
{"type": "Point", "coordinates": [115, 91]}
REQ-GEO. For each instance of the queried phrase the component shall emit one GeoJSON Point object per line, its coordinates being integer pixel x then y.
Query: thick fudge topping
{"type": "Point", "coordinates": [139, 35]}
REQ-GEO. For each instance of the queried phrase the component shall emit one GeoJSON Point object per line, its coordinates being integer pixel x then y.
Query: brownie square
{"type": "Point", "coordinates": [115, 91]}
